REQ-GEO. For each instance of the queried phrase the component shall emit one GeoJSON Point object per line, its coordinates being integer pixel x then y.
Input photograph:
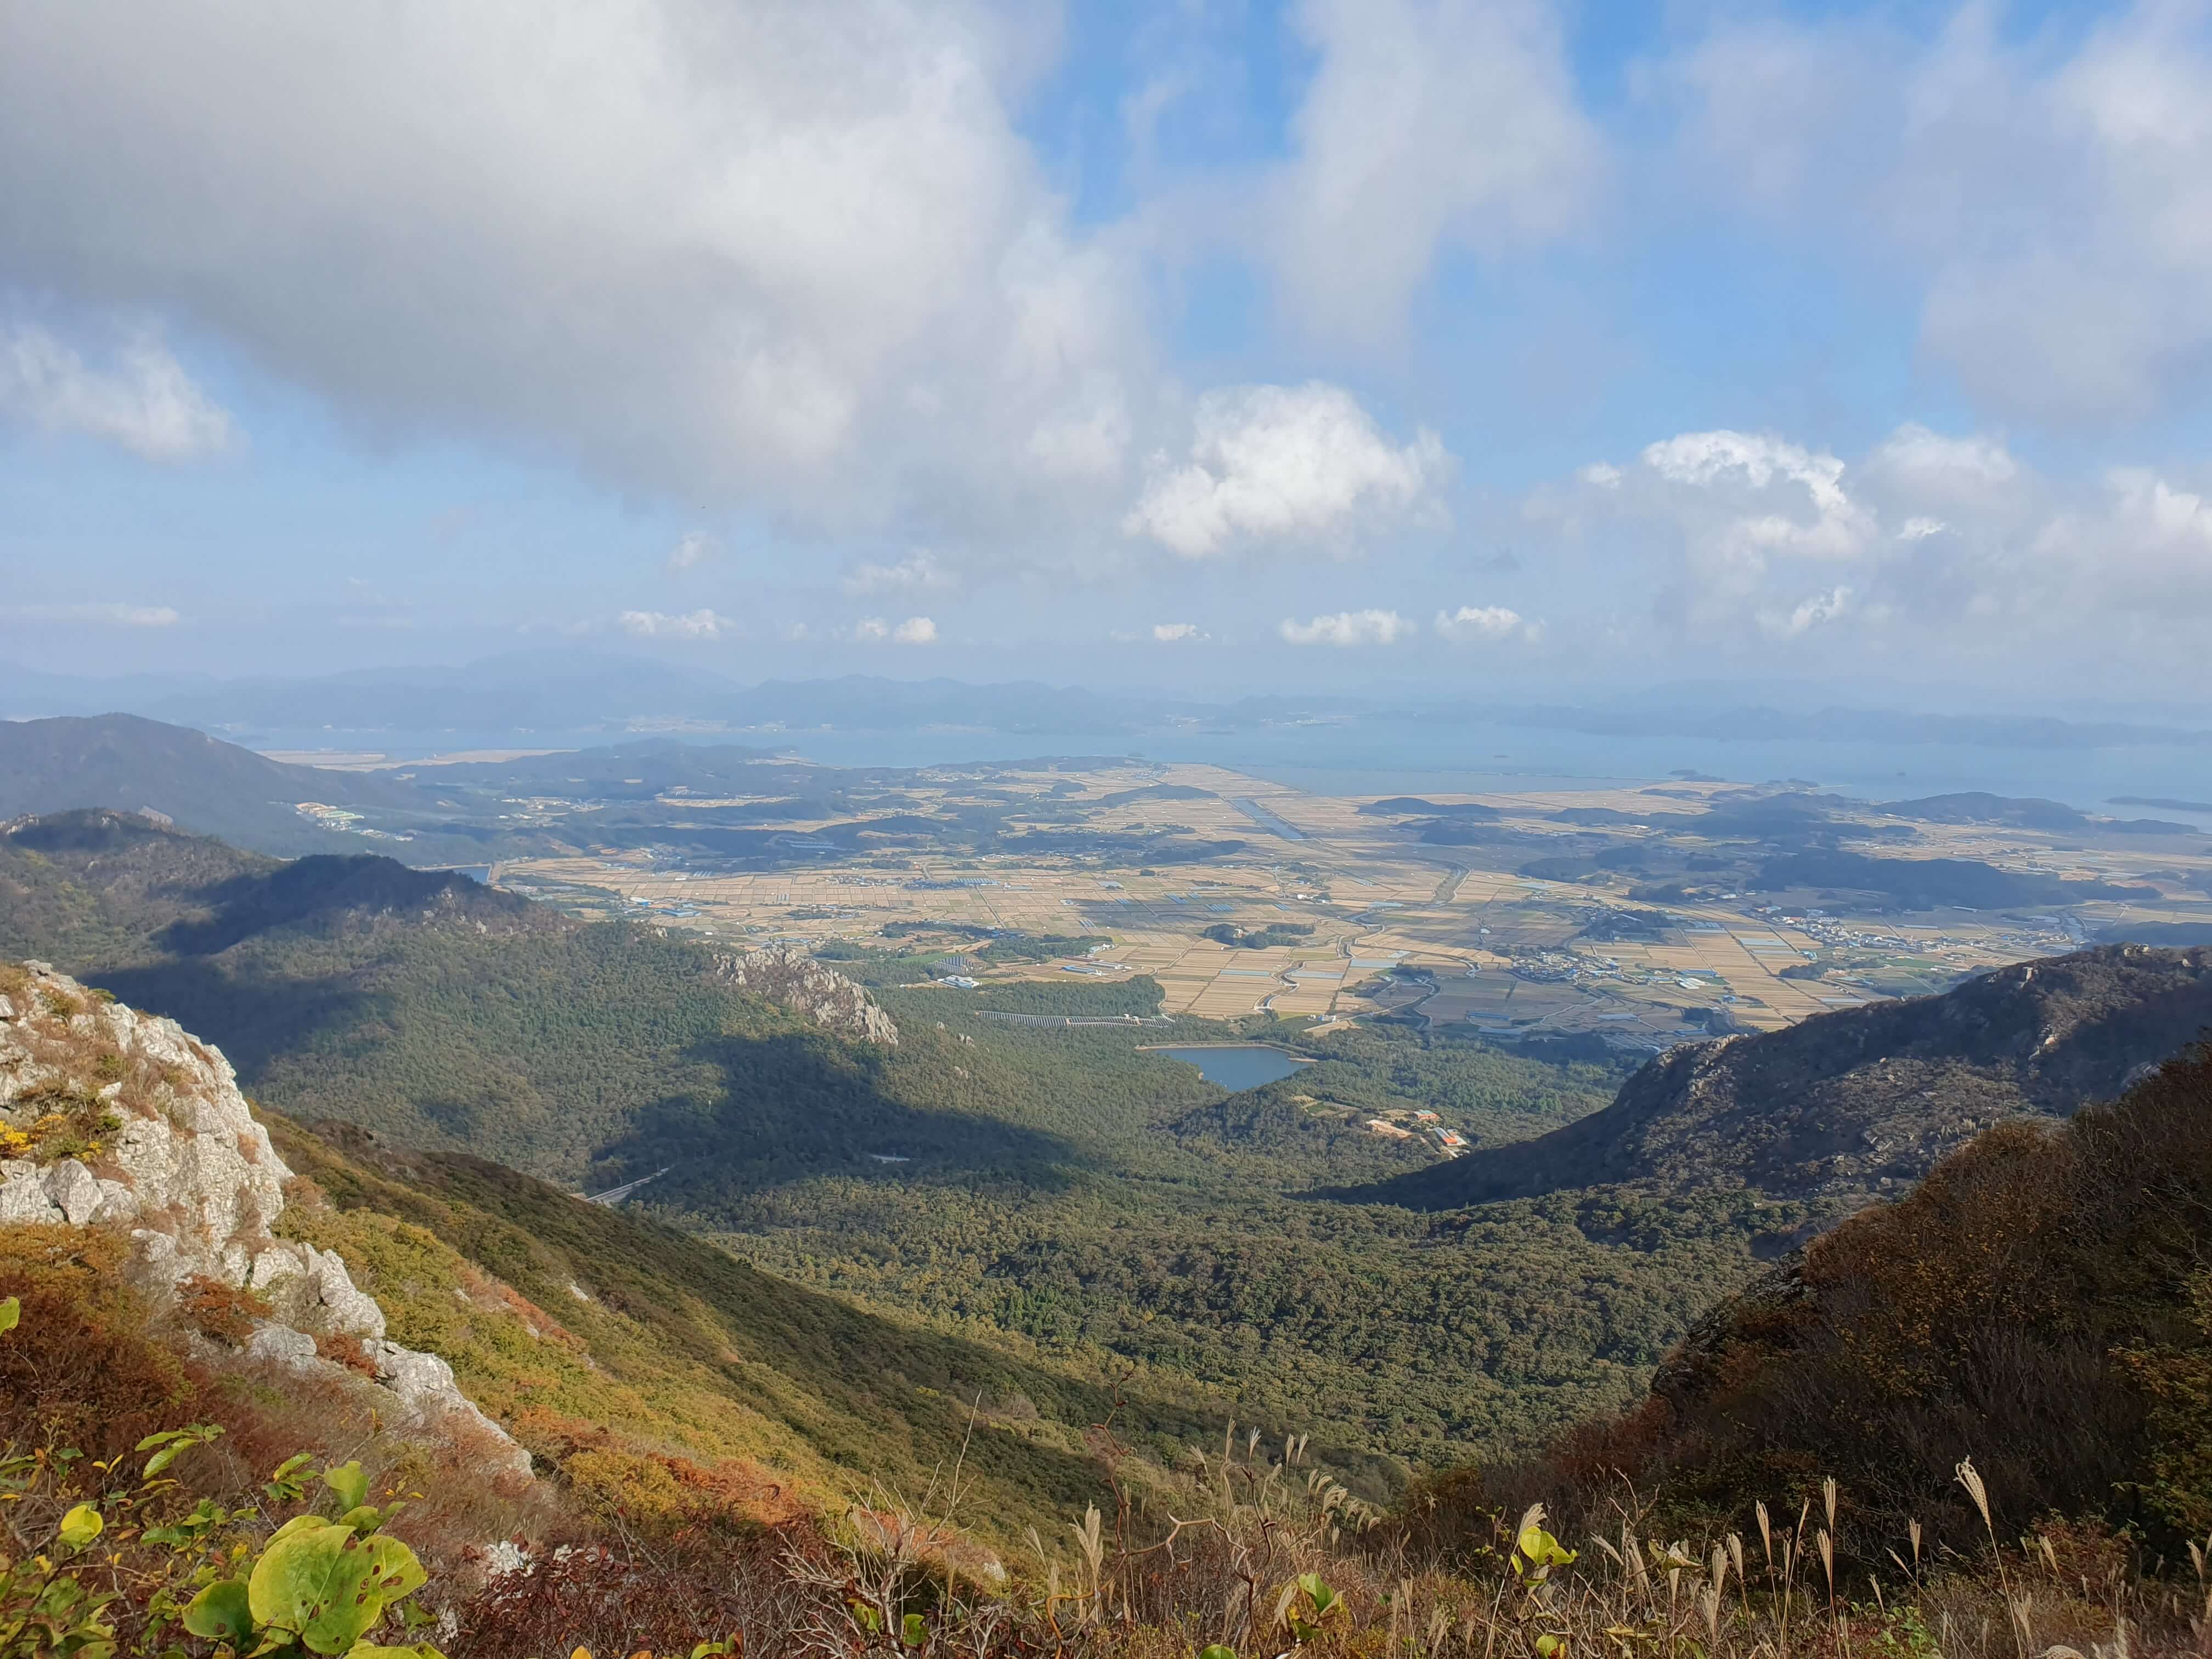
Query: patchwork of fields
{"type": "Point", "coordinates": [1331, 906]}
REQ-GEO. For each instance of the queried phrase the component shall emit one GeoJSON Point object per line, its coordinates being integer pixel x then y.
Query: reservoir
{"type": "Point", "coordinates": [1236, 1066]}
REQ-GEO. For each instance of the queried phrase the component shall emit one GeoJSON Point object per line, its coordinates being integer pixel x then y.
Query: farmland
{"type": "Point", "coordinates": [1300, 904]}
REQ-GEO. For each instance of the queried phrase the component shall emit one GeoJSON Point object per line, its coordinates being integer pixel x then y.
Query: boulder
{"type": "Point", "coordinates": [74, 1192]}
{"type": "Point", "coordinates": [426, 1388]}
{"type": "Point", "coordinates": [23, 1200]}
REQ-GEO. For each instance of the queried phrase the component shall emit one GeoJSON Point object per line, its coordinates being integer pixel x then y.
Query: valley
{"type": "Point", "coordinates": [1639, 915]}
{"type": "Point", "coordinates": [991, 1143]}
{"type": "Point", "coordinates": [1009, 1101]}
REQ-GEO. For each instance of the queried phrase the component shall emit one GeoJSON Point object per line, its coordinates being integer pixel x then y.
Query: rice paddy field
{"type": "Point", "coordinates": [1341, 907]}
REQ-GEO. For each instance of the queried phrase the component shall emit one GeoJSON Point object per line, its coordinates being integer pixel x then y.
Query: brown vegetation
{"type": "Point", "coordinates": [2041, 1304]}
{"type": "Point", "coordinates": [222, 1312]}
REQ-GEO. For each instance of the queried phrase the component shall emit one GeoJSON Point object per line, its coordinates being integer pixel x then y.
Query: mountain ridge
{"type": "Point", "coordinates": [128, 763]}
{"type": "Point", "coordinates": [1856, 1099]}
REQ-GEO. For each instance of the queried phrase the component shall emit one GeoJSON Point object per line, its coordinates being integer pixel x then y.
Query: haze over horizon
{"type": "Point", "coordinates": [1175, 347]}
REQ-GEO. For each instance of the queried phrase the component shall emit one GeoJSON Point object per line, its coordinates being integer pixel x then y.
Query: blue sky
{"type": "Point", "coordinates": [1224, 346]}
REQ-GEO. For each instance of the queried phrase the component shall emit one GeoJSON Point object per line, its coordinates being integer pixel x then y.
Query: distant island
{"type": "Point", "coordinates": [2168, 802]}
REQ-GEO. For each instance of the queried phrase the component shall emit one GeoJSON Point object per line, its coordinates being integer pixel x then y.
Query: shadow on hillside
{"type": "Point", "coordinates": [252, 1017]}
{"type": "Point", "coordinates": [326, 885]}
{"type": "Point", "coordinates": [1557, 1162]}
{"type": "Point", "coordinates": [794, 1106]}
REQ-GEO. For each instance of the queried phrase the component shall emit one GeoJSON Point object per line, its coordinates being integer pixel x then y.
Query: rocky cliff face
{"type": "Point", "coordinates": [1864, 1100]}
{"type": "Point", "coordinates": [790, 977]}
{"type": "Point", "coordinates": [113, 1118]}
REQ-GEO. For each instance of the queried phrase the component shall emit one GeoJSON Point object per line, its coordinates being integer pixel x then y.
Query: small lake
{"type": "Point", "coordinates": [1237, 1065]}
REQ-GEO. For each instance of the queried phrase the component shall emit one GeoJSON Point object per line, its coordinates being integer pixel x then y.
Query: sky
{"type": "Point", "coordinates": [1193, 344]}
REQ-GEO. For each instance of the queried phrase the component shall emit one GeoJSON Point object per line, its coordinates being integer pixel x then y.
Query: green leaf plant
{"type": "Point", "coordinates": [318, 1586]}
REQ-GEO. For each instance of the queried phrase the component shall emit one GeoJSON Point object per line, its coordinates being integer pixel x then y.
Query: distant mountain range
{"type": "Point", "coordinates": [568, 694]}
{"type": "Point", "coordinates": [131, 765]}
{"type": "Point", "coordinates": [1861, 1100]}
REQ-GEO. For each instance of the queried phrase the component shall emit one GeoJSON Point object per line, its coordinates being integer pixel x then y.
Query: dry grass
{"type": "Point", "coordinates": [1263, 1555]}
{"type": "Point", "coordinates": [1246, 1544]}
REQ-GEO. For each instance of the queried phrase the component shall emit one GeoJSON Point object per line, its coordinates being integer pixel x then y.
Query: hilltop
{"type": "Point", "coordinates": [200, 783]}
{"type": "Point", "coordinates": [419, 1003]}
{"type": "Point", "coordinates": [1861, 1099]}
{"type": "Point", "coordinates": [2040, 1304]}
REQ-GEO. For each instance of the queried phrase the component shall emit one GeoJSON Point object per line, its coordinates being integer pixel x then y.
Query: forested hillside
{"type": "Point", "coordinates": [2041, 1306]}
{"type": "Point", "coordinates": [647, 1344]}
{"type": "Point", "coordinates": [1050, 1189]}
{"type": "Point", "coordinates": [1862, 1100]}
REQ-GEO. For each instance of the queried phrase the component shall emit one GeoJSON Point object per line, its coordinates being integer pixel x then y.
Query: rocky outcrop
{"type": "Point", "coordinates": [790, 977]}
{"type": "Point", "coordinates": [115, 1118]}
{"type": "Point", "coordinates": [1862, 1101]}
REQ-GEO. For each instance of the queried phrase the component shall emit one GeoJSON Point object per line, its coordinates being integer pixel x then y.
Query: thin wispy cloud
{"type": "Point", "coordinates": [142, 400]}
{"type": "Point", "coordinates": [918, 573]}
{"type": "Point", "coordinates": [692, 548]}
{"type": "Point", "coordinates": [101, 615]}
{"type": "Point", "coordinates": [702, 624]}
{"type": "Point", "coordinates": [1475, 622]}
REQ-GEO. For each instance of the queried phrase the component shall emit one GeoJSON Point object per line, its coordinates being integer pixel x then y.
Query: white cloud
{"type": "Point", "coordinates": [1471, 623]}
{"type": "Point", "coordinates": [1347, 628]}
{"type": "Point", "coordinates": [2050, 188]}
{"type": "Point", "coordinates": [1083, 444]}
{"type": "Point", "coordinates": [1913, 449]}
{"type": "Point", "coordinates": [1946, 545]}
{"type": "Point", "coordinates": [701, 624]}
{"type": "Point", "coordinates": [1428, 125]}
{"type": "Point", "coordinates": [918, 573]}
{"type": "Point", "coordinates": [1704, 458]}
{"type": "Point", "coordinates": [1272, 463]}
{"type": "Point", "coordinates": [1176, 632]}
{"type": "Point", "coordinates": [718, 254]}
{"type": "Point", "coordinates": [693, 547]}
{"type": "Point", "coordinates": [1604, 475]}
{"type": "Point", "coordinates": [914, 630]}
{"type": "Point", "coordinates": [145, 401]}
{"type": "Point", "coordinates": [1748, 496]}
{"type": "Point", "coordinates": [1811, 611]}
{"type": "Point", "coordinates": [2145, 548]}
{"type": "Point", "coordinates": [115, 616]}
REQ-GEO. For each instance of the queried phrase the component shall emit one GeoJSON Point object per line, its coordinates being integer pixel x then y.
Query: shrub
{"type": "Point", "coordinates": [343, 1348]}
{"type": "Point", "coordinates": [94, 1379]}
{"type": "Point", "coordinates": [2038, 1302]}
{"type": "Point", "coordinates": [222, 1311]}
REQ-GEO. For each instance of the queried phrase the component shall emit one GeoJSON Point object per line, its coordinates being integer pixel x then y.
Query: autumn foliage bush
{"type": "Point", "coordinates": [222, 1312]}
{"type": "Point", "coordinates": [2041, 1303]}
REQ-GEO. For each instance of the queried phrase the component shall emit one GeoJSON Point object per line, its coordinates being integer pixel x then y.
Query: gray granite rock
{"type": "Point", "coordinates": [790, 977]}
{"type": "Point", "coordinates": [192, 1172]}
{"type": "Point", "coordinates": [74, 1191]}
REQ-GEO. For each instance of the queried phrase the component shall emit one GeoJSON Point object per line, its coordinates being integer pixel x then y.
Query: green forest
{"type": "Point", "coordinates": [1049, 1188]}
